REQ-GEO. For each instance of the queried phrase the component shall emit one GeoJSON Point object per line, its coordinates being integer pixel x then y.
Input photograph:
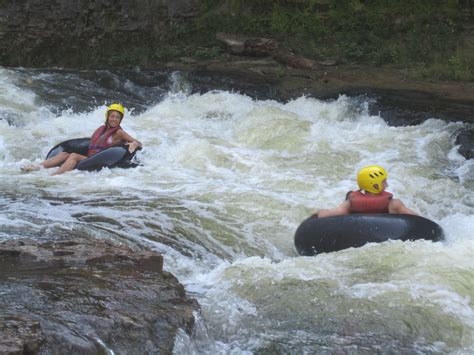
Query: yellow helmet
{"type": "Point", "coordinates": [371, 177]}
{"type": "Point", "coordinates": [115, 107]}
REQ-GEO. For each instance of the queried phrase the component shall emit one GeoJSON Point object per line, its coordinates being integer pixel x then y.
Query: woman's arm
{"type": "Point", "coordinates": [133, 144]}
{"type": "Point", "coordinates": [340, 210]}
{"type": "Point", "coordinates": [397, 206]}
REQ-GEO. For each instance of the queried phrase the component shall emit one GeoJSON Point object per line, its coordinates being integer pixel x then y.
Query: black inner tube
{"type": "Point", "coordinates": [324, 235]}
{"type": "Point", "coordinates": [115, 156]}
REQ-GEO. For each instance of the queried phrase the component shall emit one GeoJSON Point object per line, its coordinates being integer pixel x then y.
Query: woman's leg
{"type": "Point", "coordinates": [70, 163]}
{"type": "Point", "coordinates": [48, 163]}
{"type": "Point", "coordinates": [56, 160]}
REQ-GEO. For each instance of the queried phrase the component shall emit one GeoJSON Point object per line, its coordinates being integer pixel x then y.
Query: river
{"type": "Point", "coordinates": [224, 183]}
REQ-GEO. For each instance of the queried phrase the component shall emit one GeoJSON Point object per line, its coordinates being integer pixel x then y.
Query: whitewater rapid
{"type": "Point", "coordinates": [223, 184]}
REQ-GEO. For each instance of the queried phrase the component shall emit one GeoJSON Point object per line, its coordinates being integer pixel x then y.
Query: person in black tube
{"type": "Point", "coordinates": [105, 136]}
{"type": "Point", "coordinates": [371, 196]}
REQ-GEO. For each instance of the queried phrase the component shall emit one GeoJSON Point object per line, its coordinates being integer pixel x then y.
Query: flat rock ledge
{"type": "Point", "coordinates": [88, 296]}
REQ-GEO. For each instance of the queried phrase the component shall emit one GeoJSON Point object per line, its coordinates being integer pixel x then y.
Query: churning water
{"type": "Point", "coordinates": [224, 183]}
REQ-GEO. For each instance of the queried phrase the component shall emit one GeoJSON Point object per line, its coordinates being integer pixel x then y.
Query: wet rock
{"type": "Point", "coordinates": [466, 142]}
{"type": "Point", "coordinates": [19, 335]}
{"type": "Point", "coordinates": [88, 296]}
{"type": "Point", "coordinates": [408, 107]}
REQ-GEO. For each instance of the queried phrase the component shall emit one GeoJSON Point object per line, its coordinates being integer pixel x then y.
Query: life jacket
{"type": "Point", "coordinates": [101, 139]}
{"type": "Point", "coordinates": [365, 203]}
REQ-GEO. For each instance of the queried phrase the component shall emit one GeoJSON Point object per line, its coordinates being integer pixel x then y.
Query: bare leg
{"type": "Point", "coordinates": [49, 163]}
{"type": "Point", "coordinates": [70, 163]}
{"type": "Point", "coordinates": [56, 160]}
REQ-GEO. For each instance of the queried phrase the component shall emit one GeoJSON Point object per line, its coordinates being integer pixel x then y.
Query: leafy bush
{"type": "Point", "coordinates": [207, 53]}
{"type": "Point", "coordinates": [166, 53]}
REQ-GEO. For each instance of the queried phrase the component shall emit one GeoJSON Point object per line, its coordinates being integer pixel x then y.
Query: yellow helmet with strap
{"type": "Point", "coordinates": [371, 178]}
{"type": "Point", "coordinates": [115, 107]}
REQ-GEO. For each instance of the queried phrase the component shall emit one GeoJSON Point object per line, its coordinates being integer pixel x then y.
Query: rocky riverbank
{"type": "Point", "coordinates": [91, 296]}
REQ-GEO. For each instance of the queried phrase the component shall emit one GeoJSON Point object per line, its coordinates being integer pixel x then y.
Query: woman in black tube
{"type": "Point", "coordinates": [105, 136]}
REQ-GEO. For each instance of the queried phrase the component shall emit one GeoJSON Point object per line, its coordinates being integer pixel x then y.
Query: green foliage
{"type": "Point", "coordinates": [133, 56]}
{"type": "Point", "coordinates": [167, 53]}
{"type": "Point", "coordinates": [280, 72]}
{"type": "Point", "coordinates": [461, 67]}
{"type": "Point", "coordinates": [458, 67]}
{"type": "Point", "coordinates": [408, 33]}
{"type": "Point", "coordinates": [207, 53]}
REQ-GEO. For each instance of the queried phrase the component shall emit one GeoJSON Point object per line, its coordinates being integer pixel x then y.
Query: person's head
{"type": "Point", "coordinates": [372, 179]}
{"type": "Point", "coordinates": [114, 115]}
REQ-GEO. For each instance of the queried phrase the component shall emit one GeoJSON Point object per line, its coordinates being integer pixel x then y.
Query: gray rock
{"type": "Point", "coordinates": [87, 296]}
{"type": "Point", "coordinates": [466, 142]}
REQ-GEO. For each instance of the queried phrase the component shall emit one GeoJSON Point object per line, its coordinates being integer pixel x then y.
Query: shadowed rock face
{"type": "Point", "coordinates": [466, 143]}
{"type": "Point", "coordinates": [83, 33]}
{"type": "Point", "coordinates": [87, 296]}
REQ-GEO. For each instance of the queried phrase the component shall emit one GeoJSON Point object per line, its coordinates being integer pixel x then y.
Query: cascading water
{"type": "Point", "coordinates": [225, 181]}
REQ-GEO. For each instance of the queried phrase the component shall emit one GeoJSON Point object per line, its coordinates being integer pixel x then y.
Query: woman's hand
{"type": "Point", "coordinates": [132, 146]}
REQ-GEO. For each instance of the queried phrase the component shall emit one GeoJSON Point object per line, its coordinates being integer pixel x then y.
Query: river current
{"type": "Point", "coordinates": [223, 184]}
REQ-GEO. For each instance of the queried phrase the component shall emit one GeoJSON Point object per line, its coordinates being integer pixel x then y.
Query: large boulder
{"type": "Point", "coordinates": [87, 295]}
